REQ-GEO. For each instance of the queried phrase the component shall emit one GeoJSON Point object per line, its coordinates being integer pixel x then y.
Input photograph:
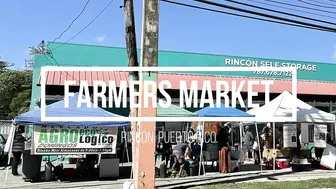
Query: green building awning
{"type": "Point", "coordinates": [173, 111]}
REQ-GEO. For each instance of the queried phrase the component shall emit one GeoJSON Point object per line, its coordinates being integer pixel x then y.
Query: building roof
{"type": "Point", "coordinates": [173, 111]}
{"type": "Point", "coordinates": [280, 85]}
{"type": "Point", "coordinates": [66, 54]}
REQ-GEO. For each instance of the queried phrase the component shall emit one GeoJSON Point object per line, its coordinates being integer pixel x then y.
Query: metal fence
{"type": "Point", "coordinates": [5, 126]}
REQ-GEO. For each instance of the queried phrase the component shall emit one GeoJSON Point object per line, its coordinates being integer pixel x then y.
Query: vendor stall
{"type": "Point", "coordinates": [281, 106]}
{"type": "Point", "coordinates": [223, 111]}
{"type": "Point", "coordinates": [71, 137]}
{"type": "Point", "coordinates": [174, 111]}
{"type": "Point", "coordinates": [172, 128]}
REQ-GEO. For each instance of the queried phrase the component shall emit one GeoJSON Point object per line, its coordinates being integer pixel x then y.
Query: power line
{"type": "Point", "coordinates": [323, 3]}
{"type": "Point", "coordinates": [315, 4]}
{"type": "Point", "coordinates": [273, 5]}
{"type": "Point", "coordinates": [62, 72]}
{"type": "Point", "coordinates": [50, 50]}
{"type": "Point", "coordinates": [265, 15]}
{"type": "Point", "coordinates": [73, 20]}
{"type": "Point", "coordinates": [101, 12]}
{"type": "Point", "coordinates": [280, 12]}
{"type": "Point", "coordinates": [294, 5]}
{"type": "Point", "coordinates": [244, 16]}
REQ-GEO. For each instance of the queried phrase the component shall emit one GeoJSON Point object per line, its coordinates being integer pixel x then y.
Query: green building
{"type": "Point", "coordinates": [316, 81]}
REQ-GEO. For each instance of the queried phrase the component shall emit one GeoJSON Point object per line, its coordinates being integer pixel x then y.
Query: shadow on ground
{"type": "Point", "coordinates": [218, 180]}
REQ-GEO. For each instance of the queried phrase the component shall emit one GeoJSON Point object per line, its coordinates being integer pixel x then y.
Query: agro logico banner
{"type": "Point", "coordinates": [74, 140]}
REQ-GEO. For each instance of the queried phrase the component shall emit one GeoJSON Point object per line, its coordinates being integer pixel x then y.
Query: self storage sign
{"type": "Point", "coordinates": [74, 140]}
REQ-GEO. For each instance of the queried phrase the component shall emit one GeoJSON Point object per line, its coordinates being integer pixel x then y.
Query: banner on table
{"type": "Point", "coordinates": [320, 135]}
{"type": "Point", "coordinates": [74, 140]}
{"type": "Point", "coordinates": [289, 135]}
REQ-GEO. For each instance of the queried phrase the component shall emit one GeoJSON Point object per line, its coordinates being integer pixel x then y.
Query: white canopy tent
{"type": "Point", "coordinates": [281, 106]}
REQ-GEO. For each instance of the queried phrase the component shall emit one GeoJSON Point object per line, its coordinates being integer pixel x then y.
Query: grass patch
{"type": "Point", "coordinates": [309, 184]}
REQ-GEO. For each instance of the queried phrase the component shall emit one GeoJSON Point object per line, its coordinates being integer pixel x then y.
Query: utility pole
{"type": "Point", "coordinates": [132, 61]}
{"type": "Point", "coordinates": [145, 168]}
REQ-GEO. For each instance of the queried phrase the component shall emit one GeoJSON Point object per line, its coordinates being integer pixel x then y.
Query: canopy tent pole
{"type": "Point", "coordinates": [8, 148]}
{"type": "Point", "coordinates": [201, 154]}
{"type": "Point", "coordinates": [241, 142]}
{"type": "Point", "coordinates": [273, 154]}
{"type": "Point", "coordinates": [259, 151]}
{"type": "Point", "coordinates": [126, 147]}
{"type": "Point", "coordinates": [133, 154]}
{"type": "Point", "coordinates": [202, 149]}
{"type": "Point", "coordinates": [231, 135]}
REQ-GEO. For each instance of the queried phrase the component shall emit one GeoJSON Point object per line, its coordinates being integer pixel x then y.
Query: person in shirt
{"type": "Point", "coordinates": [180, 152]}
{"type": "Point", "coordinates": [17, 149]}
{"type": "Point", "coordinates": [248, 142]}
{"type": "Point", "coordinates": [232, 133]}
{"type": "Point", "coordinates": [267, 132]}
{"type": "Point", "coordinates": [223, 139]}
{"type": "Point", "coordinates": [164, 147]}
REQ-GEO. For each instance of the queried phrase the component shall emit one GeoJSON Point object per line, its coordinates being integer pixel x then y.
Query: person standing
{"type": "Point", "coordinates": [164, 147]}
{"type": "Point", "coordinates": [267, 132]}
{"type": "Point", "coordinates": [223, 139]}
{"type": "Point", "coordinates": [233, 135]}
{"type": "Point", "coordinates": [17, 149]}
{"type": "Point", "coordinates": [167, 148]}
{"type": "Point", "coordinates": [248, 141]}
{"type": "Point", "coordinates": [257, 151]}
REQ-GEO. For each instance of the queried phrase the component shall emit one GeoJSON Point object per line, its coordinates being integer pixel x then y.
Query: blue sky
{"type": "Point", "coordinates": [26, 23]}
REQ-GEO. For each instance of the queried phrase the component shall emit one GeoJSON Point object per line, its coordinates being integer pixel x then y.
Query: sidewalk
{"type": "Point", "coordinates": [212, 178]}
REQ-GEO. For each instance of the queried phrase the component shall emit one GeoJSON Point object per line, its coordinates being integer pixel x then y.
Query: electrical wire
{"type": "Point", "coordinates": [265, 15]}
{"type": "Point", "coordinates": [62, 72]}
{"type": "Point", "coordinates": [101, 12]}
{"type": "Point", "coordinates": [280, 12]}
{"type": "Point", "coordinates": [73, 21]}
{"type": "Point", "coordinates": [294, 5]}
{"type": "Point", "coordinates": [306, 12]}
{"type": "Point", "coordinates": [49, 51]}
{"type": "Point", "coordinates": [302, 1]}
{"type": "Point", "coordinates": [323, 3]}
{"type": "Point", "coordinates": [244, 16]}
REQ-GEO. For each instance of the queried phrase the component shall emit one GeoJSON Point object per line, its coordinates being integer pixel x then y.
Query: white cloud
{"type": "Point", "coordinates": [100, 39]}
{"type": "Point", "coordinates": [334, 53]}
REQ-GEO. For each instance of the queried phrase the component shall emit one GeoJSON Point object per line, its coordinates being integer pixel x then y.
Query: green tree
{"type": "Point", "coordinates": [15, 92]}
{"type": "Point", "coordinates": [4, 66]}
{"type": "Point", "coordinates": [34, 50]}
{"type": "Point", "coordinates": [20, 103]}
{"type": "Point", "coordinates": [40, 49]}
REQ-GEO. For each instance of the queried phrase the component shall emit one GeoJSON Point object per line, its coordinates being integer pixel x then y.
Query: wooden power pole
{"type": "Point", "coordinates": [132, 61]}
{"type": "Point", "coordinates": [145, 151]}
